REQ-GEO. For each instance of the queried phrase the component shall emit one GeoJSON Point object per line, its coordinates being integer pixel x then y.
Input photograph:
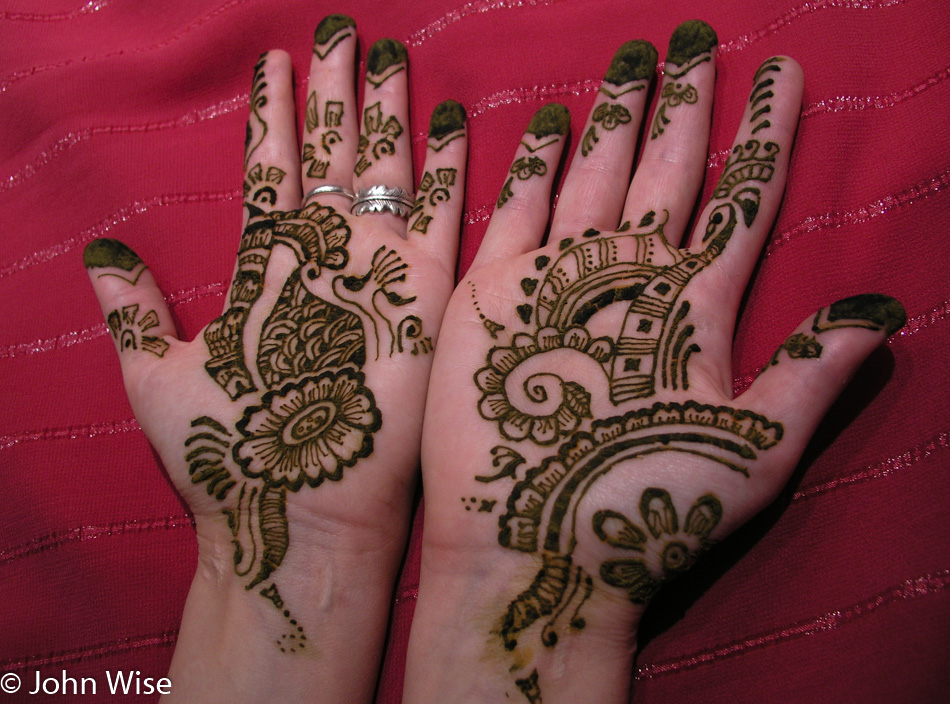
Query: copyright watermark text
{"type": "Point", "coordinates": [118, 682]}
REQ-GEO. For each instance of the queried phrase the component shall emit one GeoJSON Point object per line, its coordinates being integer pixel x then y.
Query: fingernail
{"type": "Point", "coordinates": [633, 61]}
{"type": "Point", "coordinates": [106, 252]}
{"type": "Point", "coordinates": [384, 54]}
{"type": "Point", "coordinates": [689, 40]}
{"type": "Point", "coordinates": [553, 118]}
{"type": "Point", "coordinates": [447, 117]}
{"type": "Point", "coordinates": [876, 308]}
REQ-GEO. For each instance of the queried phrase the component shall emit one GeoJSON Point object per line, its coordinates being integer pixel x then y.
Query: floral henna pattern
{"type": "Point", "coordinates": [589, 387]}
{"type": "Point", "coordinates": [691, 45]}
{"type": "Point", "coordinates": [308, 431]}
{"type": "Point", "coordinates": [306, 412]}
{"type": "Point", "coordinates": [677, 545]}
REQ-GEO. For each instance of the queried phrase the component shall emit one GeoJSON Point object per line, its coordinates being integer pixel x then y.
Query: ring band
{"type": "Point", "coordinates": [339, 190]}
{"type": "Point", "coordinates": [383, 199]}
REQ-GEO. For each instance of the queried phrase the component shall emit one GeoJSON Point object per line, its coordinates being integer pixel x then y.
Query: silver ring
{"type": "Point", "coordinates": [383, 199]}
{"type": "Point", "coordinates": [339, 190]}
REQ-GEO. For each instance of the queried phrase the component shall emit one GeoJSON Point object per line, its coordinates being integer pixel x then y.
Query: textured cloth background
{"type": "Point", "coordinates": [125, 118]}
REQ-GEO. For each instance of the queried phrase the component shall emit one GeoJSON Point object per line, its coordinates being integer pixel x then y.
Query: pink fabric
{"type": "Point", "coordinates": [125, 119]}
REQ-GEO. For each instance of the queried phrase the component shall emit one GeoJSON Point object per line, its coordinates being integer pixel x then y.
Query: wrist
{"type": "Point", "coordinates": [300, 624]}
{"type": "Point", "coordinates": [487, 634]}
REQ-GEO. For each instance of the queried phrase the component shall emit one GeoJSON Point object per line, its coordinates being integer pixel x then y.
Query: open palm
{"type": "Point", "coordinates": [582, 443]}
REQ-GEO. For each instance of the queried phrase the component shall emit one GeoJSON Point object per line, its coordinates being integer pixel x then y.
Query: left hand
{"type": "Point", "coordinates": [291, 424]}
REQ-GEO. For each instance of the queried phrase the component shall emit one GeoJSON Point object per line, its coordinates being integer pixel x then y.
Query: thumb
{"type": "Point", "coordinates": [812, 367]}
{"type": "Point", "coordinates": [132, 304]}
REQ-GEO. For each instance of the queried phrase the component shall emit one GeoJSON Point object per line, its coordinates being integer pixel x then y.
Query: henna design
{"type": "Point", "coordinates": [308, 431]}
{"type": "Point", "coordinates": [432, 191]}
{"type": "Point", "coordinates": [485, 505]}
{"type": "Point", "coordinates": [126, 327]}
{"type": "Point", "coordinates": [316, 233]}
{"type": "Point", "coordinates": [680, 545]}
{"type": "Point", "coordinates": [509, 460]}
{"type": "Point", "coordinates": [869, 311]}
{"type": "Point", "coordinates": [446, 124]}
{"type": "Point", "coordinates": [256, 125]}
{"type": "Point", "coordinates": [748, 162]}
{"type": "Point", "coordinates": [673, 94]}
{"type": "Point", "coordinates": [529, 687]}
{"type": "Point", "coordinates": [332, 117]}
{"type": "Point", "coordinates": [332, 30]}
{"type": "Point", "coordinates": [312, 115]}
{"type": "Point", "coordinates": [296, 639]}
{"type": "Point", "coordinates": [528, 402]}
{"type": "Point", "coordinates": [630, 70]}
{"type": "Point", "coordinates": [691, 45]}
{"type": "Point", "coordinates": [410, 333]}
{"type": "Point", "coordinates": [259, 185]}
{"type": "Point", "coordinates": [386, 58]}
{"type": "Point", "coordinates": [797, 346]}
{"type": "Point", "coordinates": [317, 167]}
{"type": "Point", "coordinates": [333, 113]}
{"type": "Point", "coordinates": [542, 509]}
{"type": "Point", "coordinates": [490, 325]}
{"type": "Point", "coordinates": [505, 195]}
{"type": "Point", "coordinates": [606, 322]}
{"type": "Point", "coordinates": [631, 67]}
{"type": "Point", "coordinates": [609, 116]}
{"type": "Point", "coordinates": [523, 168]}
{"type": "Point", "coordinates": [378, 138]}
{"type": "Point", "coordinates": [312, 414]}
{"type": "Point", "coordinates": [551, 121]}
{"type": "Point", "coordinates": [206, 461]}
{"type": "Point", "coordinates": [105, 253]}
{"type": "Point", "coordinates": [762, 93]}
{"type": "Point", "coordinates": [387, 268]}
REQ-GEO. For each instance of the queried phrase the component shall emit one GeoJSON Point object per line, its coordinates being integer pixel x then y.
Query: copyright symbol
{"type": "Point", "coordinates": [10, 683]}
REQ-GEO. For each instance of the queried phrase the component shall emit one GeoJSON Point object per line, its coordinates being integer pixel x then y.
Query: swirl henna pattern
{"type": "Point", "coordinates": [608, 325]}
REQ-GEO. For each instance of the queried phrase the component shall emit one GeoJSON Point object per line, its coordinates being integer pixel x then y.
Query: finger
{"type": "Point", "coordinates": [753, 178]}
{"type": "Point", "coordinates": [671, 171]}
{"type": "Point", "coordinates": [437, 213]}
{"type": "Point", "coordinates": [134, 308]}
{"type": "Point", "coordinates": [384, 156]}
{"type": "Point", "coordinates": [271, 163]}
{"type": "Point", "coordinates": [331, 127]}
{"type": "Point", "coordinates": [523, 207]}
{"type": "Point", "coordinates": [729, 233]}
{"type": "Point", "coordinates": [271, 183]}
{"type": "Point", "coordinates": [811, 368]}
{"type": "Point", "coordinates": [596, 184]}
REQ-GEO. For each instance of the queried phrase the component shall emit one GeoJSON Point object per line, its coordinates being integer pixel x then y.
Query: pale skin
{"type": "Point", "coordinates": [346, 536]}
{"type": "Point", "coordinates": [461, 647]}
{"type": "Point", "coordinates": [346, 523]}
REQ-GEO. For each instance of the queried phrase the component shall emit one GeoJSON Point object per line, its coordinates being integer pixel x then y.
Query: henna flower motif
{"type": "Point", "coordinates": [677, 547]}
{"type": "Point", "coordinates": [309, 430]}
{"type": "Point", "coordinates": [611, 115]}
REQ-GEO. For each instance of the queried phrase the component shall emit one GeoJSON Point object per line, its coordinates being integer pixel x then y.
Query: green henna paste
{"type": "Point", "coordinates": [385, 53]}
{"type": "Point", "coordinates": [633, 61]}
{"type": "Point", "coordinates": [874, 307]}
{"type": "Point", "coordinates": [448, 117]}
{"type": "Point", "coordinates": [105, 252]}
{"type": "Point", "coordinates": [689, 40]}
{"type": "Point", "coordinates": [329, 26]}
{"type": "Point", "coordinates": [553, 118]}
